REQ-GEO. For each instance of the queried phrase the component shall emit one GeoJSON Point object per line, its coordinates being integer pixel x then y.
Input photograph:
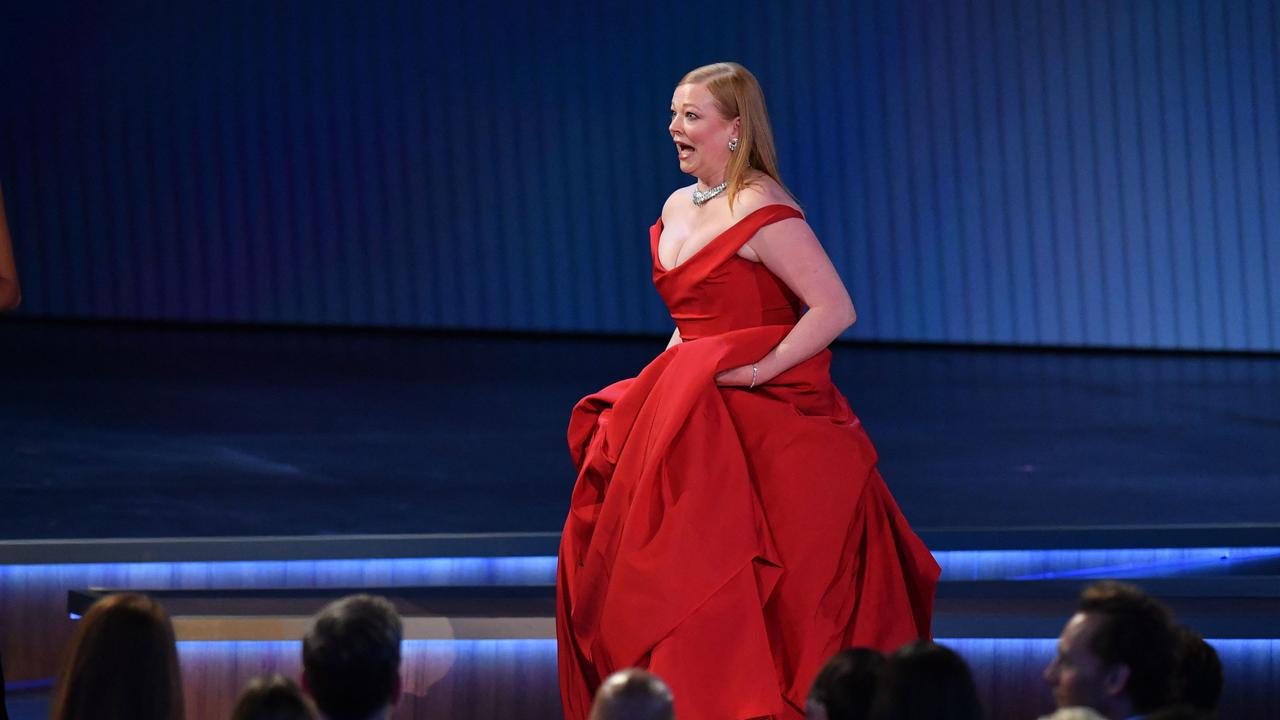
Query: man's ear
{"type": "Point", "coordinates": [397, 691]}
{"type": "Point", "coordinates": [302, 682]}
{"type": "Point", "coordinates": [1115, 679]}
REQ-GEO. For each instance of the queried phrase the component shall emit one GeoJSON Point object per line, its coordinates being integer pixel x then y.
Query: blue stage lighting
{"type": "Point", "coordinates": [261, 574]}
{"type": "Point", "coordinates": [541, 570]}
{"type": "Point", "coordinates": [1115, 563]}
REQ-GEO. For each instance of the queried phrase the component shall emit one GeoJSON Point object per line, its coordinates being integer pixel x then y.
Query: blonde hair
{"type": "Point", "coordinates": [738, 94]}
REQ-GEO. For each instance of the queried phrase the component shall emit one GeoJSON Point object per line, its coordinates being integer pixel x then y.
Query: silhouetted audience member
{"type": "Point", "coordinates": [10, 290]}
{"type": "Point", "coordinates": [1116, 654]}
{"type": "Point", "coordinates": [1197, 678]}
{"type": "Point", "coordinates": [633, 694]}
{"type": "Point", "coordinates": [273, 697]}
{"type": "Point", "coordinates": [123, 664]}
{"type": "Point", "coordinates": [926, 681]}
{"type": "Point", "coordinates": [351, 658]}
{"type": "Point", "coordinates": [845, 686]}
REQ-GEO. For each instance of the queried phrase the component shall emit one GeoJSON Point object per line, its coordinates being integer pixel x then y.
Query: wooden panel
{"type": "Point", "coordinates": [480, 679]}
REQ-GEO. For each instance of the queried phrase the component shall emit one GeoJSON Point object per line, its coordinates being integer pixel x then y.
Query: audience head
{"type": "Point", "coordinates": [274, 697]}
{"type": "Point", "coordinates": [1197, 677]}
{"type": "Point", "coordinates": [926, 681]}
{"type": "Point", "coordinates": [845, 686]}
{"type": "Point", "coordinates": [123, 664]}
{"type": "Point", "coordinates": [1116, 654]}
{"type": "Point", "coordinates": [351, 658]}
{"type": "Point", "coordinates": [633, 694]}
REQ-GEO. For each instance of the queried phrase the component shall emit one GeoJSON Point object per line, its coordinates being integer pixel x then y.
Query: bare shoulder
{"type": "Point", "coordinates": [778, 237]}
{"type": "Point", "coordinates": [761, 191]}
{"type": "Point", "coordinates": [676, 205]}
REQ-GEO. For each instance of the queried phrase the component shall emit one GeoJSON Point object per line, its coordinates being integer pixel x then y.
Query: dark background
{"type": "Point", "coordinates": [1096, 173]}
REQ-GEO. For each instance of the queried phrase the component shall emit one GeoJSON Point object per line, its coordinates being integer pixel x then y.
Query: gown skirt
{"type": "Point", "coordinates": [729, 540]}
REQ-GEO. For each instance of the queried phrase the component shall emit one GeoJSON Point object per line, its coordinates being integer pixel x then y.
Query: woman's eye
{"type": "Point", "coordinates": [691, 116]}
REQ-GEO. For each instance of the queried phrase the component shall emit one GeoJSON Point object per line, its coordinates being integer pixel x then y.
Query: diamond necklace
{"type": "Point", "coordinates": [701, 197]}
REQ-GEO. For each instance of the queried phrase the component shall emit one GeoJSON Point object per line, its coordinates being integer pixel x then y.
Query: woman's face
{"type": "Point", "coordinates": [700, 132]}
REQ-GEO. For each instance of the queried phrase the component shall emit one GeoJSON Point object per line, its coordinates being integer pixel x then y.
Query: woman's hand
{"type": "Point", "coordinates": [737, 377]}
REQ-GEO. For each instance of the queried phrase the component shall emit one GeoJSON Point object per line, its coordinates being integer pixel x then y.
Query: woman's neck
{"type": "Point", "coordinates": [706, 182]}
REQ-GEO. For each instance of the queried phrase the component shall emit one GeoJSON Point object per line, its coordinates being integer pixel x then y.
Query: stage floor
{"type": "Point", "coordinates": [111, 431]}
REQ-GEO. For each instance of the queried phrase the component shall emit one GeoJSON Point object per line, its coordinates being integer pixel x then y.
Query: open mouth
{"type": "Point", "coordinates": [684, 150]}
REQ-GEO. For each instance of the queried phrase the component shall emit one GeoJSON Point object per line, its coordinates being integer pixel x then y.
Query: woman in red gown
{"type": "Point", "coordinates": [728, 530]}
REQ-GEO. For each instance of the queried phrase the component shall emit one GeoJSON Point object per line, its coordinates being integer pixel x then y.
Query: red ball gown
{"type": "Point", "coordinates": [729, 540]}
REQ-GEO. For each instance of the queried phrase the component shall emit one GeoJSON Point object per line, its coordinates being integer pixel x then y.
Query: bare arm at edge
{"type": "Point", "coordinates": [10, 290]}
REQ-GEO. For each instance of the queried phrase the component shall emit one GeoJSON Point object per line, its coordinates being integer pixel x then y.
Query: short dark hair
{"type": "Point", "coordinates": [273, 697]}
{"type": "Point", "coordinates": [1197, 678]}
{"type": "Point", "coordinates": [846, 684]}
{"type": "Point", "coordinates": [633, 694]}
{"type": "Point", "coordinates": [351, 657]}
{"type": "Point", "coordinates": [1137, 630]}
{"type": "Point", "coordinates": [123, 664]}
{"type": "Point", "coordinates": [926, 681]}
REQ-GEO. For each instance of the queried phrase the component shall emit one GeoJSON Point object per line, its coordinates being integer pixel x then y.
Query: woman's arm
{"type": "Point", "coordinates": [10, 291]}
{"type": "Point", "coordinates": [791, 251]}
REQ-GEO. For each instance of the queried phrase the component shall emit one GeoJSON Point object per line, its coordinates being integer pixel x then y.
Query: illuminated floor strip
{"type": "Point", "coordinates": [540, 570]}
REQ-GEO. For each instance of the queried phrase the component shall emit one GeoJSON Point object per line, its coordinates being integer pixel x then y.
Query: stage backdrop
{"type": "Point", "coordinates": [1060, 172]}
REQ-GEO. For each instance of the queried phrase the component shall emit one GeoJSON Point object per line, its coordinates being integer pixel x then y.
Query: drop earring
{"type": "Point", "coordinates": [733, 145]}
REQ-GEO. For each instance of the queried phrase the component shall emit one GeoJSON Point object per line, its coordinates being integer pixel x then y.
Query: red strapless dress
{"type": "Point", "coordinates": [729, 540]}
